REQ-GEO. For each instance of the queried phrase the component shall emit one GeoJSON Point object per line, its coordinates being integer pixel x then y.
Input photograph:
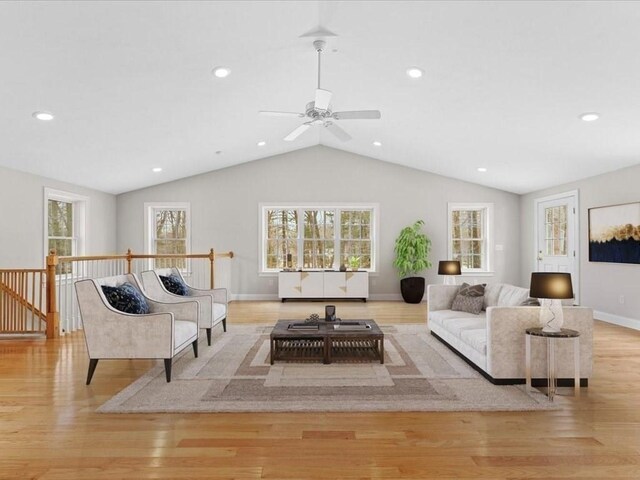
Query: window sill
{"type": "Point", "coordinates": [478, 274]}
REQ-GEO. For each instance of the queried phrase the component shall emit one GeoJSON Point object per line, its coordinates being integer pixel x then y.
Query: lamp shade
{"type": "Point", "coordinates": [552, 285]}
{"type": "Point", "coordinates": [449, 267]}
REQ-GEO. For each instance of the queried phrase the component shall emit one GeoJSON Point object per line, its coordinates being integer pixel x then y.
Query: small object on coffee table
{"type": "Point", "coordinates": [314, 317]}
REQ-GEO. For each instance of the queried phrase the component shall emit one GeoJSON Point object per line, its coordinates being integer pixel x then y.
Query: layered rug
{"type": "Point", "coordinates": [234, 375]}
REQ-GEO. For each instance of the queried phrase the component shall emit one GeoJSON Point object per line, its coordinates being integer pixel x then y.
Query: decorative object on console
{"type": "Point", "coordinates": [354, 263]}
{"type": "Point", "coordinates": [551, 287]}
{"type": "Point", "coordinates": [343, 268]}
{"type": "Point", "coordinates": [412, 256]}
{"type": "Point", "coordinates": [449, 268]}
{"type": "Point", "coordinates": [614, 233]}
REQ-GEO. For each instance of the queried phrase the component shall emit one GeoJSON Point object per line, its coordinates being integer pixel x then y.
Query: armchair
{"type": "Point", "coordinates": [212, 303]}
{"type": "Point", "coordinates": [168, 329]}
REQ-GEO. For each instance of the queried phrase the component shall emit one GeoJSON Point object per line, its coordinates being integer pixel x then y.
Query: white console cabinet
{"type": "Point", "coordinates": [323, 285]}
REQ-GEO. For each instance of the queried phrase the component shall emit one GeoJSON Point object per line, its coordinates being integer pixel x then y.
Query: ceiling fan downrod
{"type": "Point", "coordinates": [319, 46]}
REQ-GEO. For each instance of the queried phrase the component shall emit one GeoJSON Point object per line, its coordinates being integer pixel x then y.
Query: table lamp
{"type": "Point", "coordinates": [550, 288]}
{"type": "Point", "coordinates": [449, 268]}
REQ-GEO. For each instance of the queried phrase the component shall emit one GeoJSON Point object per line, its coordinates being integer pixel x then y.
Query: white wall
{"type": "Point", "coordinates": [22, 232]}
{"type": "Point", "coordinates": [224, 209]}
{"type": "Point", "coordinates": [601, 284]}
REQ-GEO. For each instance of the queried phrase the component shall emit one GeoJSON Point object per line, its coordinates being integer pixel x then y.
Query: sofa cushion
{"type": "Point", "coordinates": [460, 325]}
{"type": "Point", "coordinates": [512, 296]}
{"type": "Point", "coordinates": [174, 284]}
{"type": "Point", "coordinates": [184, 332]}
{"type": "Point", "coordinates": [464, 303]}
{"type": "Point", "coordinates": [443, 317]}
{"type": "Point", "coordinates": [126, 298]}
{"type": "Point", "coordinates": [219, 311]}
{"type": "Point", "coordinates": [491, 294]}
{"type": "Point", "coordinates": [475, 338]}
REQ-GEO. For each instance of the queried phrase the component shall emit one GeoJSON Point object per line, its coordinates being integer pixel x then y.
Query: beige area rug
{"type": "Point", "coordinates": [234, 375]}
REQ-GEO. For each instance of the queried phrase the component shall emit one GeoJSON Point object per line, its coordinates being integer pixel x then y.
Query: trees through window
{"type": "Point", "coordinates": [469, 235]}
{"type": "Point", "coordinates": [168, 232]}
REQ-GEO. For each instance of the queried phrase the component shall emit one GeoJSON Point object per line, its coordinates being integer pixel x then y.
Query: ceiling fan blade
{"type": "Point", "coordinates": [281, 114]}
{"type": "Point", "coordinates": [297, 132]}
{"type": "Point", "coordinates": [337, 131]}
{"type": "Point", "coordinates": [357, 115]}
{"type": "Point", "coordinates": [323, 98]}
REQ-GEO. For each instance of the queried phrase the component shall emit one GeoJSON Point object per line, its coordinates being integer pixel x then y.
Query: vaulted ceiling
{"type": "Point", "coordinates": [504, 83]}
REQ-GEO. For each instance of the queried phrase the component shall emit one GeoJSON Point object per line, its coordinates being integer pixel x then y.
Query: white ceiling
{"type": "Point", "coordinates": [131, 86]}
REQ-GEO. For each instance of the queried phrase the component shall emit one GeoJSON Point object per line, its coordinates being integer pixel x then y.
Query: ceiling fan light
{"type": "Point", "coordinates": [221, 72]}
{"type": "Point", "coordinates": [414, 72]}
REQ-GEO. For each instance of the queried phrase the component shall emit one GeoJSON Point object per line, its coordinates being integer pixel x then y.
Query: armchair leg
{"type": "Point", "coordinates": [208, 336]}
{"type": "Point", "coordinates": [195, 347]}
{"type": "Point", "coordinates": [224, 324]}
{"type": "Point", "coordinates": [93, 363]}
{"type": "Point", "coordinates": [167, 369]}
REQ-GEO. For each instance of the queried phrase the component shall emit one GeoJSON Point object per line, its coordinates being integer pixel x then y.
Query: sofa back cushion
{"type": "Point", "coordinates": [491, 294]}
{"type": "Point", "coordinates": [512, 296]}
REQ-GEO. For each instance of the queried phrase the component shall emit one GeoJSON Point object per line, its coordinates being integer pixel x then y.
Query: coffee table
{"type": "Point", "coordinates": [326, 343]}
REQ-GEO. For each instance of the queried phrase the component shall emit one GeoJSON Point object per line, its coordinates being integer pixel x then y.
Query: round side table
{"type": "Point", "coordinates": [552, 381]}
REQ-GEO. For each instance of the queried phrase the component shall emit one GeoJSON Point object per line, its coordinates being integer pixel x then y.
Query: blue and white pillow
{"type": "Point", "coordinates": [126, 298]}
{"type": "Point", "coordinates": [174, 284]}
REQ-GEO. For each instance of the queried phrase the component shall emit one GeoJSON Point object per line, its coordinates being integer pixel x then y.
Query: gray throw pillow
{"type": "Point", "coordinates": [530, 302]}
{"type": "Point", "coordinates": [472, 290]}
{"type": "Point", "coordinates": [463, 303]}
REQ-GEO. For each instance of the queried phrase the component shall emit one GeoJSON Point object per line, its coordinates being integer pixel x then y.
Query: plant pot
{"type": "Point", "coordinates": [412, 289]}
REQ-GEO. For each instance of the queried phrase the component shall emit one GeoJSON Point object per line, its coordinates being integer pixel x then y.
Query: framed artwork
{"type": "Point", "coordinates": [614, 233]}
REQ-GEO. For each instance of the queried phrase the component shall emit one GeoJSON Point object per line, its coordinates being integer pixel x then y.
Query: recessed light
{"type": "Point", "coordinates": [377, 143]}
{"type": "Point", "coordinates": [414, 72]}
{"type": "Point", "coordinates": [44, 116]}
{"type": "Point", "coordinates": [589, 116]}
{"type": "Point", "coordinates": [156, 169]}
{"type": "Point", "coordinates": [262, 143]}
{"type": "Point", "coordinates": [482, 169]}
{"type": "Point", "coordinates": [221, 72]}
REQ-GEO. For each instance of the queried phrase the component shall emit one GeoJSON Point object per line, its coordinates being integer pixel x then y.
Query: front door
{"type": "Point", "coordinates": [556, 236]}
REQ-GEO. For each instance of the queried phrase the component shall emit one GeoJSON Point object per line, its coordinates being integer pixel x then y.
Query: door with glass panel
{"type": "Point", "coordinates": [556, 243]}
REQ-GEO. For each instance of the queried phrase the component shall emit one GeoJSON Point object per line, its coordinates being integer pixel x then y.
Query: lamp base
{"type": "Point", "coordinates": [449, 280]}
{"type": "Point", "coordinates": [551, 318]}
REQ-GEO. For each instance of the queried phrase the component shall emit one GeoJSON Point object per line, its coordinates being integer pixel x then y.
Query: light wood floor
{"type": "Point", "coordinates": [48, 428]}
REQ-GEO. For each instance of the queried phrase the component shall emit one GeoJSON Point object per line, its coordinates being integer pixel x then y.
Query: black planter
{"type": "Point", "coordinates": [412, 289]}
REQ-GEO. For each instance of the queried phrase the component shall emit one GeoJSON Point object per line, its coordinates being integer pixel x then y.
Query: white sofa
{"type": "Point", "coordinates": [493, 341]}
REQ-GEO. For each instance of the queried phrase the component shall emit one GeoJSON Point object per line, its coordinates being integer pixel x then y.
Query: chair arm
{"type": "Point", "coordinates": [219, 294]}
{"type": "Point", "coordinates": [186, 310]}
{"type": "Point", "coordinates": [440, 297]}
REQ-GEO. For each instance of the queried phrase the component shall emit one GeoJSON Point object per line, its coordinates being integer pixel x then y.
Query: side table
{"type": "Point", "coordinates": [551, 337]}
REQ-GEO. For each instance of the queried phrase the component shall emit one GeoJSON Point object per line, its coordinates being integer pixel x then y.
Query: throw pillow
{"type": "Point", "coordinates": [472, 290]}
{"type": "Point", "coordinates": [464, 303]}
{"type": "Point", "coordinates": [126, 298]}
{"type": "Point", "coordinates": [174, 284]}
{"type": "Point", "coordinates": [530, 302]}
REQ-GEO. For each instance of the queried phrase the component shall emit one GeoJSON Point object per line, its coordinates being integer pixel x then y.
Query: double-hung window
{"type": "Point", "coordinates": [65, 226]}
{"type": "Point", "coordinates": [318, 237]}
{"type": "Point", "coordinates": [168, 233]}
{"type": "Point", "coordinates": [470, 236]}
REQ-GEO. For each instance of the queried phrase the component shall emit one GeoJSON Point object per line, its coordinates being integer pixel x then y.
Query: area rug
{"type": "Point", "coordinates": [234, 375]}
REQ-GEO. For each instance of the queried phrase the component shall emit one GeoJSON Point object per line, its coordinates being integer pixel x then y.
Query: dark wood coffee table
{"type": "Point", "coordinates": [326, 343]}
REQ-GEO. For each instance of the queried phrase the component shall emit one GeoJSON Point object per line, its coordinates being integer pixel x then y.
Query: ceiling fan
{"type": "Point", "coordinates": [319, 111]}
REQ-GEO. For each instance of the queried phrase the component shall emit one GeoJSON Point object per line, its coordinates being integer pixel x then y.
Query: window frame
{"type": "Point", "coordinates": [487, 230]}
{"type": "Point", "coordinates": [80, 214]}
{"type": "Point", "coordinates": [150, 209]}
{"type": "Point", "coordinates": [337, 208]}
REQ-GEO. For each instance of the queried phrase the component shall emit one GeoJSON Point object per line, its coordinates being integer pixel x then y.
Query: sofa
{"type": "Point", "coordinates": [493, 341]}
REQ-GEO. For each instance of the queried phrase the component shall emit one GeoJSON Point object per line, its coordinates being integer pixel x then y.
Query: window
{"type": "Point", "coordinates": [469, 236]}
{"type": "Point", "coordinates": [167, 232]}
{"type": "Point", "coordinates": [317, 237]}
{"type": "Point", "coordinates": [555, 223]}
{"type": "Point", "coordinates": [65, 226]}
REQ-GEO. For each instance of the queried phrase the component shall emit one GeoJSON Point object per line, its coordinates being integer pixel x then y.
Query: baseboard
{"type": "Point", "coordinates": [535, 382]}
{"type": "Point", "coordinates": [264, 297]}
{"type": "Point", "coordinates": [386, 297]}
{"type": "Point", "coordinates": [617, 320]}
{"type": "Point", "coordinates": [249, 297]}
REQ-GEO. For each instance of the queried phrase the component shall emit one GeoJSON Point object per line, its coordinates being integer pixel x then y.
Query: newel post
{"type": "Point", "coordinates": [212, 260]}
{"type": "Point", "coordinates": [129, 258]}
{"type": "Point", "coordinates": [53, 317]}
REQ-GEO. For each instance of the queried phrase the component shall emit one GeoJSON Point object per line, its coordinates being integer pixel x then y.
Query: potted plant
{"type": "Point", "coordinates": [354, 263]}
{"type": "Point", "coordinates": [412, 252]}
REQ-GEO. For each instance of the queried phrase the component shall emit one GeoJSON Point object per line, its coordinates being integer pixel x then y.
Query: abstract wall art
{"type": "Point", "coordinates": [614, 233]}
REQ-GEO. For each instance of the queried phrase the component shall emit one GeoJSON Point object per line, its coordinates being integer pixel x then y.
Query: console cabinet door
{"type": "Point", "coordinates": [312, 284]}
{"type": "Point", "coordinates": [289, 285]}
{"type": "Point", "coordinates": [357, 284]}
{"type": "Point", "coordinates": [335, 284]}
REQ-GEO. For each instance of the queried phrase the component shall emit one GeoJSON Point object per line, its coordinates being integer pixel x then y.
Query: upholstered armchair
{"type": "Point", "coordinates": [164, 332]}
{"type": "Point", "coordinates": [212, 303]}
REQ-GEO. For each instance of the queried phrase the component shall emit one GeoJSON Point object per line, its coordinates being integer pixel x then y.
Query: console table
{"type": "Point", "coordinates": [323, 284]}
